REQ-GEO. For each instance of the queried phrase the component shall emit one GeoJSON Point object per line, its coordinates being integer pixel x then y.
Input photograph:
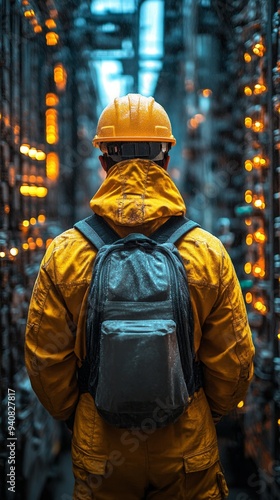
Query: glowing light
{"type": "Point", "coordinates": [248, 196]}
{"type": "Point", "coordinates": [240, 404]}
{"type": "Point", "coordinates": [248, 268]}
{"type": "Point", "coordinates": [259, 49]}
{"type": "Point", "coordinates": [33, 221]}
{"type": "Point", "coordinates": [40, 155]}
{"type": "Point", "coordinates": [14, 251]}
{"type": "Point", "coordinates": [248, 122]}
{"type": "Point", "coordinates": [32, 152]}
{"type": "Point", "coordinates": [52, 38]}
{"type": "Point", "coordinates": [41, 218]}
{"type": "Point", "coordinates": [248, 222]}
{"type": "Point", "coordinates": [247, 91]}
{"type": "Point", "coordinates": [248, 165]}
{"type": "Point", "coordinates": [257, 126]}
{"type": "Point", "coordinates": [206, 93]}
{"type": "Point", "coordinates": [25, 223]}
{"type": "Point", "coordinates": [60, 76]}
{"type": "Point", "coordinates": [38, 191]}
{"type": "Point", "coordinates": [24, 149]}
{"type": "Point", "coordinates": [52, 99]}
{"type": "Point", "coordinates": [247, 57]}
{"type": "Point", "coordinates": [51, 126]}
{"type": "Point", "coordinates": [29, 13]}
{"type": "Point", "coordinates": [52, 166]}
{"type": "Point", "coordinates": [50, 23]}
{"type": "Point", "coordinates": [39, 242]}
{"type": "Point", "coordinates": [249, 239]}
{"type": "Point", "coordinates": [259, 236]}
{"type": "Point", "coordinates": [25, 246]}
{"type": "Point", "coordinates": [38, 29]}
{"type": "Point", "coordinates": [2, 255]}
{"type": "Point", "coordinates": [248, 297]}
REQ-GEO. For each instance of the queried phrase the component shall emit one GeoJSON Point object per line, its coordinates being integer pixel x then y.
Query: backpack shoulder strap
{"type": "Point", "coordinates": [173, 229]}
{"type": "Point", "coordinates": [97, 231]}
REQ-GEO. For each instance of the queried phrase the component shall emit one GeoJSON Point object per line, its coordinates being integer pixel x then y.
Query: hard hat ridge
{"type": "Point", "coordinates": [134, 118]}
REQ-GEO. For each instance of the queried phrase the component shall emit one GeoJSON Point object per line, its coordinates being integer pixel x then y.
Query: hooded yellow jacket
{"type": "Point", "coordinates": [138, 196]}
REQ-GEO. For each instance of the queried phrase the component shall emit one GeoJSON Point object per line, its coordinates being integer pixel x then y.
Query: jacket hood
{"type": "Point", "coordinates": [135, 192]}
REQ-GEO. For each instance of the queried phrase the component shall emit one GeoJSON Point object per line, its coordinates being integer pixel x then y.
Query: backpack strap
{"type": "Point", "coordinates": [173, 229]}
{"type": "Point", "coordinates": [97, 231]}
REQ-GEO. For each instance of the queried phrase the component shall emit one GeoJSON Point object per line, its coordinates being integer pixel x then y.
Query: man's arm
{"type": "Point", "coordinates": [49, 347]}
{"type": "Point", "coordinates": [226, 349]}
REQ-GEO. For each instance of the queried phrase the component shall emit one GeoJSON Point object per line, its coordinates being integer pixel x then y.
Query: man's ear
{"type": "Point", "coordinates": [103, 162]}
{"type": "Point", "coordinates": [166, 162]}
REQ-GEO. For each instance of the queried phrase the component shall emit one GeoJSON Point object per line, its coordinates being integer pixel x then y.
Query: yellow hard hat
{"type": "Point", "coordinates": [134, 118]}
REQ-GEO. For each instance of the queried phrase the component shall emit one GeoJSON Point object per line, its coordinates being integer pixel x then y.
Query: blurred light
{"type": "Point", "coordinates": [248, 196]}
{"type": "Point", "coordinates": [51, 126]}
{"type": "Point", "coordinates": [14, 251]}
{"type": "Point", "coordinates": [249, 239]}
{"type": "Point", "coordinates": [52, 166]}
{"type": "Point", "coordinates": [2, 255]}
{"type": "Point", "coordinates": [247, 57]}
{"type": "Point", "coordinates": [38, 29]}
{"type": "Point", "coordinates": [249, 297]}
{"type": "Point", "coordinates": [25, 223]}
{"type": "Point", "coordinates": [240, 404]}
{"type": "Point", "coordinates": [248, 91]}
{"type": "Point", "coordinates": [60, 76]}
{"type": "Point", "coordinates": [39, 242]}
{"type": "Point", "coordinates": [248, 122]}
{"type": "Point", "coordinates": [40, 155]}
{"type": "Point", "coordinates": [52, 99]}
{"type": "Point", "coordinates": [32, 152]}
{"type": "Point", "coordinates": [25, 246]}
{"type": "Point", "coordinates": [41, 218]}
{"type": "Point", "coordinates": [24, 149]}
{"type": "Point", "coordinates": [248, 268]}
{"type": "Point", "coordinates": [52, 38]}
{"type": "Point", "coordinates": [50, 23]}
{"type": "Point", "coordinates": [206, 93]}
{"type": "Point", "coordinates": [29, 13]}
{"type": "Point", "coordinates": [33, 221]}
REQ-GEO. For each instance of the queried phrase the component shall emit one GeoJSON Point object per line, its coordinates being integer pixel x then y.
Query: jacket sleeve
{"type": "Point", "coordinates": [49, 345]}
{"type": "Point", "coordinates": [226, 348]}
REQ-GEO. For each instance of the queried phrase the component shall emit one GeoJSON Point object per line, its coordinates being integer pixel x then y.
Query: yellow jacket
{"type": "Point", "coordinates": [137, 196]}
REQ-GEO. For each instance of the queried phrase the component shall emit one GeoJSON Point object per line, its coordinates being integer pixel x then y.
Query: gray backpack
{"type": "Point", "coordinates": [140, 365]}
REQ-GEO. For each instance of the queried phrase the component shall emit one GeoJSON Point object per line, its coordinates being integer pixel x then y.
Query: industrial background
{"type": "Point", "coordinates": [215, 67]}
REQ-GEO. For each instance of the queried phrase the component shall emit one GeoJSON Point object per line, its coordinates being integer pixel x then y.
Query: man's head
{"type": "Point", "coordinates": [134, 126]}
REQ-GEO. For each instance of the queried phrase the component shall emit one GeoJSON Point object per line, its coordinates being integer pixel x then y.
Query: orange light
{"type": "Point", "coordinates": [52, 38]}
{"type": "Point", "coordinates": [51, 126]}
{"type": "Point", "coordinates": [248, 196]}
{"type": "Point", "coordinates": [259, 236]}
{"type": "Point", "coordinates": [249, 239]}
{"type": "Point", "coordinates": [240, 404]}
{"type": "Point", "coordinates": [39, 242]}
{"type": "Point", "coordinates": [25, 246]}
{"type": "Point", "coordinates": [248, 91]}
{"type": "Point", "coordinates": [248, 297]}
{"type": "Point", "coordinates": [52, 166]}
{"type": "Point", "coordinates": [50, 23]}
{"type": "Point", "coordinates": [33, 221]}
{"type": "Point", "coordinates": [259, 49]}
{"type": "Point", "coordinates": [248, 165]}
{"type": "Point", "coordinates": [248, 122]}
{"type": "Point", "coordinates": [206, 92]}
{"type": "Point", "coordinates": [247, 57]}
{"type": "Point", "coordinates": [29, 13]}
{"type": "Point", "coordinates": [52, 99]}
{"type": "Point", "coordinates": [41, 218]}
{"type": "Point", "coordinates": [38, 29]}
{"type": "Point", "coordinates": [60, 76]}
{"type": "Point", "coordinates": [248, 268]}
{"type": "Point", "coordinates": [257, 126]}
